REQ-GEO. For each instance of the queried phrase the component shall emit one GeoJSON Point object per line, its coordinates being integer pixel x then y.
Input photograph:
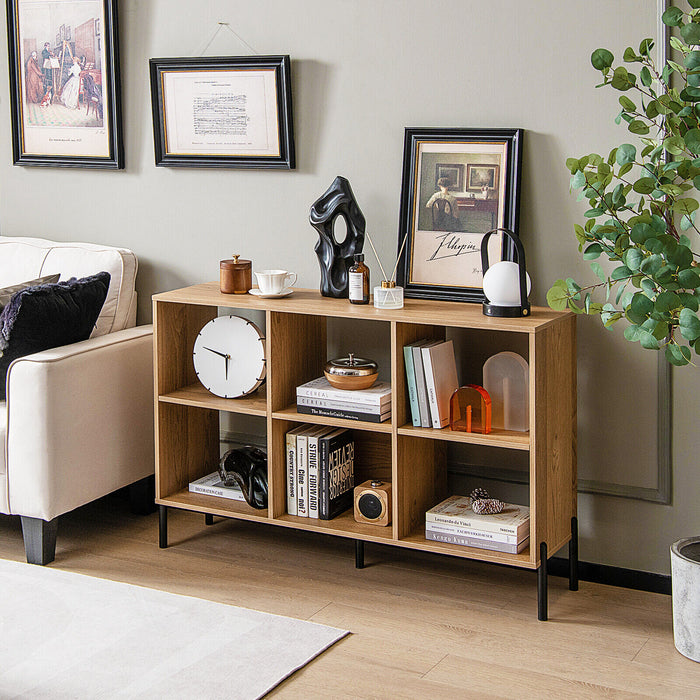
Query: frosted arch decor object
{"type": "Point", "coordinates": [506, 380]}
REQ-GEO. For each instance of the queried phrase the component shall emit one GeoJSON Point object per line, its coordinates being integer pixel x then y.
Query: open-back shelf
{"type": "Point", "coordinates": [414, 459]}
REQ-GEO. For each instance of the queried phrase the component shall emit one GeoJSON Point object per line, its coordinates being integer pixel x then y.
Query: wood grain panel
{"type": "Point", "coordinates": [297, 346]}
{"type": "Point", "coordinates": [415, 311]}
{"type": "Point", "coordinates": [187, 446]}
{"type": "Point", "coordinates": [421, 482]}
{"type": "Point", "coordinates": [553, 451]}
{"type": "Point", "coordinates": [175, 328]}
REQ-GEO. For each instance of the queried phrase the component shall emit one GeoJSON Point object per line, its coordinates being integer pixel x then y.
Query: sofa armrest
{"type": "Point", "coordinates": [79, 422]}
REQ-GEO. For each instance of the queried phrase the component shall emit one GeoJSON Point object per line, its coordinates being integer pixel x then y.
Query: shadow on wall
{"type": "Point", "coordinates": [310, 81]}
{"type": "Point", "coordinates": [146, 285]}
{"type": "Point", "coordinates": [136, 29]}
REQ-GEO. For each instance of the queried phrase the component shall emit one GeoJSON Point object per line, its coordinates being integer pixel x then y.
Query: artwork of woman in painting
{"type": "Point", "coordinates": [71, 90]}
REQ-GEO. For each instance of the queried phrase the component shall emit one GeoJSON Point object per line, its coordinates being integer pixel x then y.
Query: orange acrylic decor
{"type": "Point", "coordinates": [470, 410]}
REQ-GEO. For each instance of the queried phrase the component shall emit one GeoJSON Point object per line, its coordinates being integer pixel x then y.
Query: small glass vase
{"type": "Point", "coordinates": [388, 296]}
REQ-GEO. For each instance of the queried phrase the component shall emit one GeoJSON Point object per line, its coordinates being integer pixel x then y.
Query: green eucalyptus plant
{"type": "Point", "coordinates": [643, 199]}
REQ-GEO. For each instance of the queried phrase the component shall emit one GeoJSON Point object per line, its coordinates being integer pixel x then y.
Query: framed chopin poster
{"type": "Point", "coordinates": [64, 83]}
{"type": "Point", "coordinates": [458, 184]}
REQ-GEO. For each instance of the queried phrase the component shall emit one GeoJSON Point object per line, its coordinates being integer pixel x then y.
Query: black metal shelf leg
{"type": "Point", "coordinates": [359, 554]}
{"type": "Point", "coordinates": [208, 519]}
{"type": "Point", "coordinates": [542, 583]}
{"type": "Point", "coordinates": [573, 555]}
{"type": "Point", "coordinates": [162, 526]}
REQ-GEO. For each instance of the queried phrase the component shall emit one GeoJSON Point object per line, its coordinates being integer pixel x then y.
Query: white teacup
{"type": "Point", "coordinates": [275, 281]}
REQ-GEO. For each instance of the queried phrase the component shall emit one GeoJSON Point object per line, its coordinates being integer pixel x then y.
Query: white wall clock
{"type": "Point", "coordinates": [229, 356]}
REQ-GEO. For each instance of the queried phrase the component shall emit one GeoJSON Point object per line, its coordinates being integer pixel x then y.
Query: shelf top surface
{"type": "Point", "coordinates": [309, 301]}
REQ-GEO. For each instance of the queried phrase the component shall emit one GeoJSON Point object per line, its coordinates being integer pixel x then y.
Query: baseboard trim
{"type": "Point", "coordinates": [613, 576]}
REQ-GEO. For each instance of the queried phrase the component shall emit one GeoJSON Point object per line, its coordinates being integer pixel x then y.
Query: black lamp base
{"type": "Point", "coordinates": [506, 311]}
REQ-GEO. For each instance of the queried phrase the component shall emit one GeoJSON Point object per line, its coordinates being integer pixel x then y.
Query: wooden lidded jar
{"type": "Point", "coordinates": [235, 276]}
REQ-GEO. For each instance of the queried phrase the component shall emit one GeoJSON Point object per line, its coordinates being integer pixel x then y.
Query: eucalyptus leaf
{"type": "Point", "coordinates": [602, 58]}
{"type": "Point", "coordinates": [673, 17]}
{"type": "Point", "coordinates": [691, 33]}
{"type": "Point", "coordinates": [558, 296]}
{"type": "Point", "coordinates": [638, 127]}
{"type": "Point", "coordinates": [626, 154]}
{"type": "Point", "coordinates": [692, 141]}
{"type": "Point", "coordinates": [645, 46]}
{"type": "Point", "coordinates": [689, 324]}
{"type": "Point", "coordinates": [677, 355]}
{"type": "Point", "coordinates": [689, 279]}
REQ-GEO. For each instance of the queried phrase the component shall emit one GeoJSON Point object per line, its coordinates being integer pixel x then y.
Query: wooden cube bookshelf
{"type": "Point", "coordinates": [187, 415]}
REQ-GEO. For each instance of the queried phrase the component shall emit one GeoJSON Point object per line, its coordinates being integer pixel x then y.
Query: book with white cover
{"type": "Point", "coordinates": [476, 542]}
{"type": "Point", "coordinates": [379, 394]}
{"type": "Point", "coordinates": [449, 529]}
{"type": "Point", "coordinates": [339, 405]}
{"type": "Point", "coordinates": [302, 483]}
{"type": "Point", "coordinates": [440, 379]}
{"type": "Point", "coordinates": [312, 470]}
{"type": "Point", "coordinates": [456, 510]}
{"type": "Point", "coordinates": [291, 464]}
{"type": "Point", "coordinates": [421, 389]}
{"type": "Point", "coordinates": [211, 485]}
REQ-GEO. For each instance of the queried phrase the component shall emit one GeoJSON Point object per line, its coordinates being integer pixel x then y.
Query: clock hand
{"type": "Point", "coordinates": [227, 359]}
{"type": "Point", "coordinates": [216, 352]}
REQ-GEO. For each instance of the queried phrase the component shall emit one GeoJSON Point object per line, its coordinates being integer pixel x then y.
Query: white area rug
{"type": "Point", "coordinates": [64, 635]}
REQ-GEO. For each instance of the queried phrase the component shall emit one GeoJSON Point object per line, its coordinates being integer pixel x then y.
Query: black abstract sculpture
{"type": "Point", "coordinates": [336, 258]}
{"type": "Point", "coordinates": [247, 467]}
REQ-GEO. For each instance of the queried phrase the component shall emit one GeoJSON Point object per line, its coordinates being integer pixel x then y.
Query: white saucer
{"type": "Point", "coordinates": [284, 293]}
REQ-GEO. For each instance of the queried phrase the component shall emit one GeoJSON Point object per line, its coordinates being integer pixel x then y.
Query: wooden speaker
{"type": "Point", "coordinates": [373, 502]}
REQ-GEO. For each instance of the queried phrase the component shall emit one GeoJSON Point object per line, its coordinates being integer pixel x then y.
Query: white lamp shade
{"type": "Point", "coordinates": [502, 284]}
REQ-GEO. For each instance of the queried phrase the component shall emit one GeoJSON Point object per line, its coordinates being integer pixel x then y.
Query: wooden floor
{"type": "Point", "coordinates": [423, 626]}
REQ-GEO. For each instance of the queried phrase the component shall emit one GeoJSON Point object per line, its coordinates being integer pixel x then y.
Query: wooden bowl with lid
{"type": "Point", "coordinates": [351, 373]}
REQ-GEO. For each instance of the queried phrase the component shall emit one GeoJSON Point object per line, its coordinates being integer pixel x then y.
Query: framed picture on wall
{"type": "Point", "coordinates": [226, 112]}
{"type": "Point", "coordinates": [458, 184]}
{"type": "Point", "coordinates": [453, 173]}
{"type": "Point", "coordinates": [64, 83]}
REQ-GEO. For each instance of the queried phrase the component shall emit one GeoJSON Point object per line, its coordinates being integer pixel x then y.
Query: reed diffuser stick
{"type": "Point", "coordinates": [375, 254]}
{"type": "Point", "coordinates": [398, 257]}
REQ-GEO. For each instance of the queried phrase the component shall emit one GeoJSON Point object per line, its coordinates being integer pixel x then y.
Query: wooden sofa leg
{"type": "Point", "coordinates": [142, 496]}
{"type": "Point", "coordinates": [39, 539]}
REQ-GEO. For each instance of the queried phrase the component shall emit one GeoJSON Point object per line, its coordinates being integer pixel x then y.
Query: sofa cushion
{"type": "Point", "coordinates": [6, 293]}
{"type": "Point", "coordinates": [24, 258]}
{"type": "Point", "coordinates": [49, 316]}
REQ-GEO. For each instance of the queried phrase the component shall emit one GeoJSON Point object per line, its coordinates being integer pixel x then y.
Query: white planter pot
{"type": "Point", "coordinates": [685, 583]}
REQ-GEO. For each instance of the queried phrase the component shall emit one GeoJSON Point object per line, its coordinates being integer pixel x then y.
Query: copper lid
{"type": "Point", "coordinates": [236, 264]}
{"type": "Point", "coordinates": [351, 366]}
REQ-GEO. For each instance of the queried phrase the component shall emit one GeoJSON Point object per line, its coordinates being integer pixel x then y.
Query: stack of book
{"type": "Point", "coordinates": [211, 485]}
{"type": "Point", "coordinates": [454, 521]}
{"type": "Point", "coordinates": [320, 471]}
{"type": "Point", "coordinates": [431, 378]}
{"type": "Point", "coordinates": [319, 398]}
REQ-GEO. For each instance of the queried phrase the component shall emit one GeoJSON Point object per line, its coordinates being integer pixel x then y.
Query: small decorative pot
{"type": "Point", "coordinates": [685, 582]}
{"type": "Point", "coordinates": [351, 373]}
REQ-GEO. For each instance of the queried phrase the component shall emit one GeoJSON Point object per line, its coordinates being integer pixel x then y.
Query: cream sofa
{"type": "Point", "coordinates": [78, 419]}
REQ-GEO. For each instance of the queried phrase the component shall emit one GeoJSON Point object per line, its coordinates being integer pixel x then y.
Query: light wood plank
{"type": "Point", "coordinates": [422, 625]}
{"type": "Point", "coordinates": [415, 311]}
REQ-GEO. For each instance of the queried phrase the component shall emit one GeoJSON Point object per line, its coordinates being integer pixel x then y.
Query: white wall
{"type": "Point", "coordinates": [362, 71]}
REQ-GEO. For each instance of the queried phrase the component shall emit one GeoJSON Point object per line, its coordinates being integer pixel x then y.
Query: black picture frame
{"type": "Point", "coordinates": [248, 97]}
{"type": "Point", "coordinates": [441, 255]}
{"type": "Point", "coordinates": [55, 124]}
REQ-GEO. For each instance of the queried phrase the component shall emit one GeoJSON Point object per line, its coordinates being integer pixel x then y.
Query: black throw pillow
{"type": "Point", "coordinates": [49, 316]}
